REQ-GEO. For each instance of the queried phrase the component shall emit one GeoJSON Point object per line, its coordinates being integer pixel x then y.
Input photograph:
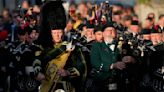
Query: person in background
{"type": "Point", "coordinates": [68, 31]}
{"type": "Point", "coordinates": [152, 17]}
{"type": "Point", "coordinates": [134, 28]}
{"type": "Point", "coordinates": [146, 34]}
{"type": "Point", "coordinates": [103, 20]}
{"type": "Point", "coordinates": [98, 33]}
{"type": "Point", "coordinates": [6, 15]}
{"type": "Point", "coordinates": [160, 25]}
{"type": "Point", "coordinates": [127, 21]}
{"type": "Point", "coordinates": [24, 7]}
{"type": "Point", "coordinates": [156, 37]}
{"type": "Point", "coordinates": [3, 62]}
{"type": "Point", "coordinates": [36, 12]}
{"type": "Point", "coordinates": [149, 23]}
{"type": "Point", "coordinates": [91, 12]}
{"type": "Point", "coordinates": [98, 14]}
{"type": "Point", "coordinates": [117, 17]}
{"type": "Point", "coordinates": [83, 10]}
{"type": "Point", "coordinates": [20, 67]}
{"type": "Point", "coordinates": [77, 19]}
{"type": "Point", "coordinates": [71, 10]}
{"type": "Point", "coordinates": [33, 35]}
{"type": "Point", "coordinates": [7, 20]}
{"type": "Point", "coordinates": [90, 32]}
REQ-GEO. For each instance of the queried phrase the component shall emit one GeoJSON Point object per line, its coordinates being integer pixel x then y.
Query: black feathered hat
{"type": "Point", "coordinates": [52, 17]}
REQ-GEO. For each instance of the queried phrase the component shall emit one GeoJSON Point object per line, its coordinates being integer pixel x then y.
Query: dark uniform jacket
{"type": "Point", "coordinates": [101, 59]}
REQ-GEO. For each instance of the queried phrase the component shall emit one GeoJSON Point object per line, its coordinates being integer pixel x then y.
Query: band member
{"type": "Point", "coordinates": [134, 28]}
{"type": "Point", "coordinates": [90, 32]}
{"type": "Point", "coordinates": [131, 56]}
{"type": "Point", "coordinates": [153, 63]}
{"type": "Point", "coordinates": [104, 58]}
{"type": "Point", "coordinates": [21, 70]}
{"type": "Point", "coordinates": [160, 26]}
{"type": "Point", "coordinates": [90, 40]}
{"type": "Point", "coordinates": [3, 66]}
{"type": "Point", "coordinates": [156, 61]}
{"type": "Point", "coordinates": [69, 31]}
{"type": "Point", "coordinates": [62, 62]}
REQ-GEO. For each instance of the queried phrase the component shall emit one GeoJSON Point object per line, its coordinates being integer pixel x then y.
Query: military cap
{"type": "Point", "coordinates": [146, 31]}
{"type": "Point", "coordinates": [80, 27]}
{"type": "Point", "coordinates": [98, 28]}
{"type": "Point", "coordinates": [135, 22]}
{"type": "Point", "coordinates": [90, 25]}
{"type": "Point", "coordinates": [109, 24]}
{"type": "Point", "coordinates": [156, 29]}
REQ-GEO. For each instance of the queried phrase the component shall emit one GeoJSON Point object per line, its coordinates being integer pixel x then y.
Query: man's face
{"type": "Point", "coordinates": [5, 14]}
{"type": "Point", "coordinates": [148, 23]}
{"type": "Point", "coordinates": [117, 18]}
{"type": "Point", "coordinates": [24, 37]}
{"type": "Point", "coordinates": [161, 21]}
{"type": "Point", "coordinates": [57, 35]}
{"type": "Point", "coordinates": [72, 10]}
{"type": "Point", "coordinates": [103, 19]}
{"type": "Point", "coordinates": [151, 16]}
{"type": "Point", "coordinates": [25, 5]}
{"type": "Point", "coordinates": [98, 36]}
{"type": "Point", "coordinates": [69, 25]}
{"type": "Point", "coordinates": [127, 23]}
{"type": "Point", "coordinates": [147, 37]}
{"type": "Point", "coordinates": [36, 9]}
{"type": "Point", "coordinates": [109, 32]}
{"type": "Point", "coordinates": [163, 37]}
{"type": "Point", "coordinates": [134, 28]}
{"type": "Point", "coordinates": [89, 32]}
{"type": "Point", "coordinates": [156, 38]}
{"type": "Point", "coordinates": [34, 35]}
{"type": "Point", "coordinates": [83, 10]}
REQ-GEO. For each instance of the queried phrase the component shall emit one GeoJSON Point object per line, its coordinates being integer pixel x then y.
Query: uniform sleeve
{"type": "Point", "coordinates": [81, 63]}
{"type": "Point", "coordinates": [37, 64]}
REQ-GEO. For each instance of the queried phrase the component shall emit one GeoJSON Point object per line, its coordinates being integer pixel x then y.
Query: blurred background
{"type": "Point", "coordinates": [141, 7]}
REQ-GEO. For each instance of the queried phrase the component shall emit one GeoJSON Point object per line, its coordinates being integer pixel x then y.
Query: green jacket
{"type": "Point", "coordinates": [101, 59]}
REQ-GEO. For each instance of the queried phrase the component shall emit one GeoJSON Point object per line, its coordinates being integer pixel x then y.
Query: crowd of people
{"type": "Point", "coordinates": [83, 48]}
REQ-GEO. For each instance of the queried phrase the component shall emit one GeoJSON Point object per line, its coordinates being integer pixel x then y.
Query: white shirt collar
{"type": "Point", "coordinates": [112, 47]}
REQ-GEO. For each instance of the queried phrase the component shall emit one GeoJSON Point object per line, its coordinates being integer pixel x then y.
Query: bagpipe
{"type": "Point", "coordinates": [79, 41]}
{"type": "Point", "coordinates": [52, 78]}
{"type": "Point", "coordinates": [136, 43]}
